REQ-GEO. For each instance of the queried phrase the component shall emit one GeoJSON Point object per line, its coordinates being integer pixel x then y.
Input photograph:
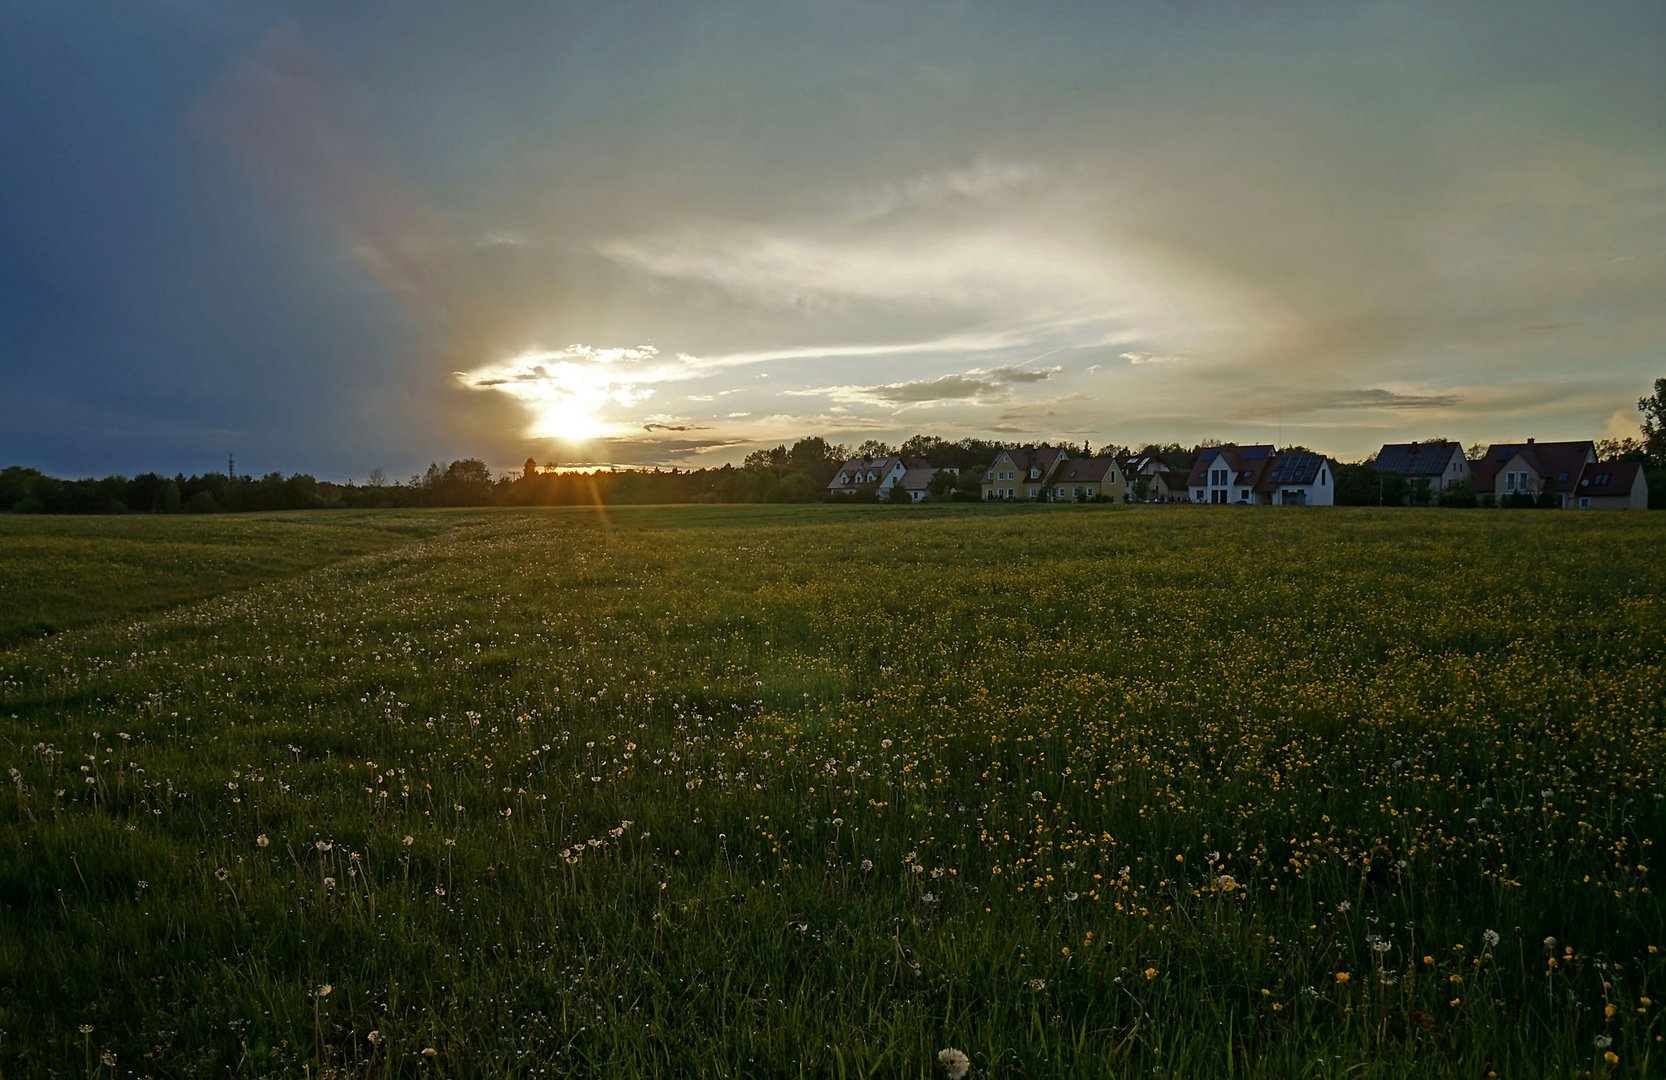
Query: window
{"type": "Point", "coordinates": [1584, 502]}
{"type": "Point", "coordinates": [1509, 481]}
{"type": "Point", "coordinates": [1035, 473]}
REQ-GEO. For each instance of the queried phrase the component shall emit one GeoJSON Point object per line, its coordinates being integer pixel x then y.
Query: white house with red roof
{"type": "Point", "coordinates": [1612, 485]}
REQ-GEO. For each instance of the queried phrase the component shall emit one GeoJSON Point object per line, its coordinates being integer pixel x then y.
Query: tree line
{"type": "Point", "coordinates": [796, 473]}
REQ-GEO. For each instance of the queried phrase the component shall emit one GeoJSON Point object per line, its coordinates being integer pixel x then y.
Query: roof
{"type": "Point", "coordinates": [1416, 459]}
{"type": "Point", "coordinates": [879, 466]}
{"type": "Point", "coordinates": [1291, 469]}
{"type": "Point", "coordinates": [1558, 464]}
{"type": "Point", "coordinates": [1613, 479]}
{"type": "Point", "coordinates": [1025, 458]}
{"type": "Point", "coordinates": [917, 479]}
{"type": "Point", "coordinates": [1084, 470]}
{"type": "Point", "coordinates": [1246, 462]}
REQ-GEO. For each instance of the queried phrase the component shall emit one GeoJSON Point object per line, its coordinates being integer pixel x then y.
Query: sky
{"type": "Point", "coordinates": [332, 238]}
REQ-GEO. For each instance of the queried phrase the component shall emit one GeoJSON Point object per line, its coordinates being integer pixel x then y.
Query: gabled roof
{"type": "Point", "coordinates": [1558, 464]}
{"type": "Point", "coordinates": [1291, 469]}
{"type": "Point", "coordinates": [1083, 470]}
{"type": "Point", "coordinates": [1609, 478]}
{"type": "Point", "coordinates": [1246, 462]}
{"type": "Point", "coordinates": [1025, 458]}
{"type": "Point", "coordinates": [917, 479]}
{"type": "Point", "coordinates": [1416, 459]}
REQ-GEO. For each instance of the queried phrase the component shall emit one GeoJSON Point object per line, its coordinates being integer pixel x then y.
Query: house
{"type": "Point", "coordinates": [1168, 485]}
{"type": "Point", "coordinates": [1612, 485]}
{"type": "Point", "coordinates": [879, 473]}
{"type": "Point", "coordinates": [1298, 479]}
{"type": "Point", "coordinates": [1020, 473]}
{"type": "Point", "coordinates": [1255, 475]}
{"type": "Point", "coordinates": [1533, 470]}
{"type": "Point", "coordinates": [1088, 478]}
{"type": "Point", "coordinates": [1228, 474]}
{"type": "Point", "coordinates": [916, 480]}
{"type": "Point", "coordinates": [1429, 467]}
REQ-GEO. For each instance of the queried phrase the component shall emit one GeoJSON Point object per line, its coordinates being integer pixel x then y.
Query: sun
{"type": "Point", "coordinates": [570, 413]}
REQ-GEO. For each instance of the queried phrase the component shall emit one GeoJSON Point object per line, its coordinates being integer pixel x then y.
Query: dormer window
{"type": "Point", "coordinates": [1035, 473]}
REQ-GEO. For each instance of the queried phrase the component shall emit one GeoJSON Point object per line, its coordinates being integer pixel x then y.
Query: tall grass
{"type": "Point", "coordinates": [822, 791]}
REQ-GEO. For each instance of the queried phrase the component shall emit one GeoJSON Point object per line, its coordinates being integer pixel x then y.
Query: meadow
{"type": "Point", "coordinates": [824, 791]}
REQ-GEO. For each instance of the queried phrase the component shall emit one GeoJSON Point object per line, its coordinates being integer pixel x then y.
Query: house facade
{"type": "Point", "coordinates": [1088, 478]}
{"type": "Point", "coordinates": [1228, 474]}
{"type": "Point", "coordinates": [1021, 474]}
{"type": "Point", "coordinates": [1534, 470]}
{"type": "Point", "coordinates": [1297, 480]}
{"type": "Point", "coordinates": [879, 473]}
{"type": "Point", "coordinates": [1612, 485]}
{"type": "Point", "coordinates": [1256, 476]}
{"type": "Point", "coordinates": [1429, 467]}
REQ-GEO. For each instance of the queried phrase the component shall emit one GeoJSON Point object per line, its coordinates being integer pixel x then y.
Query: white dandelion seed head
{"type": "Point", "coordinates": [954, 1062]}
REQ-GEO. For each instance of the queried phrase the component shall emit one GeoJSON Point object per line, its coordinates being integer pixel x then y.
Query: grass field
{"type": "Point", "coordinates": [824, 791]}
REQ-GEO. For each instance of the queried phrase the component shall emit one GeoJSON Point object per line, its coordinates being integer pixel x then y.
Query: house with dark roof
{"type": "Point", "coordinates": [1299, 479]}
{"type": "Point", "coordinates": [1256, 475]}
{"type": "Point", "coordinates": [1429, 467]}
{"type": "Point", "coordinates": [1612, 485]}
{"type": "Point", "coordinates": [879, 473]}
{"type": "Point", "coordinates": [1533, 470]}
{"type": "Point", "coordinates": [1168, 485]}
{"type": "Point", "coordinates": [1228, 474]}
{"type": "Point", "coordinates": [1088, 478]}
{"type": "Point", "coordinates": [1021, 473]}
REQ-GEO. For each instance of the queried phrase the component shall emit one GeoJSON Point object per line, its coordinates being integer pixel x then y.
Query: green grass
{"type": "Point", "coordinates": [1077, 790]}
{"type": "Point", "coordinates": [61, 572]}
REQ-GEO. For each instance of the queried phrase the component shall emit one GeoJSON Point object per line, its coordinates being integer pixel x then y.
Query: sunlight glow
{"type": "Point", "coordinates": [570, 393]}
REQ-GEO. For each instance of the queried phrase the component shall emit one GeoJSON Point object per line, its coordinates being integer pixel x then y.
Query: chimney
{"type": "Point", "coordinates": [1529, 440]}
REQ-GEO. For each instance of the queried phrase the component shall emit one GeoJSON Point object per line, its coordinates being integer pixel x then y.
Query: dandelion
{"type": "Point", "coordinates": [325, 990]}
{"type": "Point", "coordinates": [1150, 973]}
{"type": "Point", "coordinates": [867, 864]}
{"type": "Point", "coordinates": [430, 1053]}
{"type": "Point", "coordinates": [374, 1038]}
{"type": "Point", "coordinates": [1490, 937]}
{"type": "Point", "coordinates": [107, 1058]}
{"type": "Point", "coordinates": [329, 883]}
{"type": "Point", "coordinates": [1344, 907]}
{"type": "Point", "coordinates": [262, 841]}
{"type": "Point", "coordinates": [955, 1063]}
{"type": "Point", "coordinates": [1037, 984]}
{"type": "Point", "coordinates": [409, 840]}
{"type": "Point", "coordinates": [1343, 976]}
{"type": "Point", "coordinates": [1611, 1057]}
{"type": "Point", "coordinates": [85, 1029]}
{"type": "Point", "coordinates": [222, 873]}
{"type": "Point", "coordinates": [1603, 1042]}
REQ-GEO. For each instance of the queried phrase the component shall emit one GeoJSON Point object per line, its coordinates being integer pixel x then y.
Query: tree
{"type": "Point", "coordinates": [1653, 409]}
{"type": "Point", "coordinates": [872, 448]}
{"type": "Point", "coordinates": [1621, 450]}
{"type": "Point", "coordinates": [377, 478]}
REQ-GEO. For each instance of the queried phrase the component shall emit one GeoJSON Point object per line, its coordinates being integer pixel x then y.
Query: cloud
{"type": "Point", "coordinates": [1152, 358]}
{"type": "Point", "coordinates": [977, 182]}
{"type": "Point", "coordinates": [1287, 402]}
{"type": "Point", "coordinates": [976, 386]}
{"type": "Point", "coordinates": [1004, 271]}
